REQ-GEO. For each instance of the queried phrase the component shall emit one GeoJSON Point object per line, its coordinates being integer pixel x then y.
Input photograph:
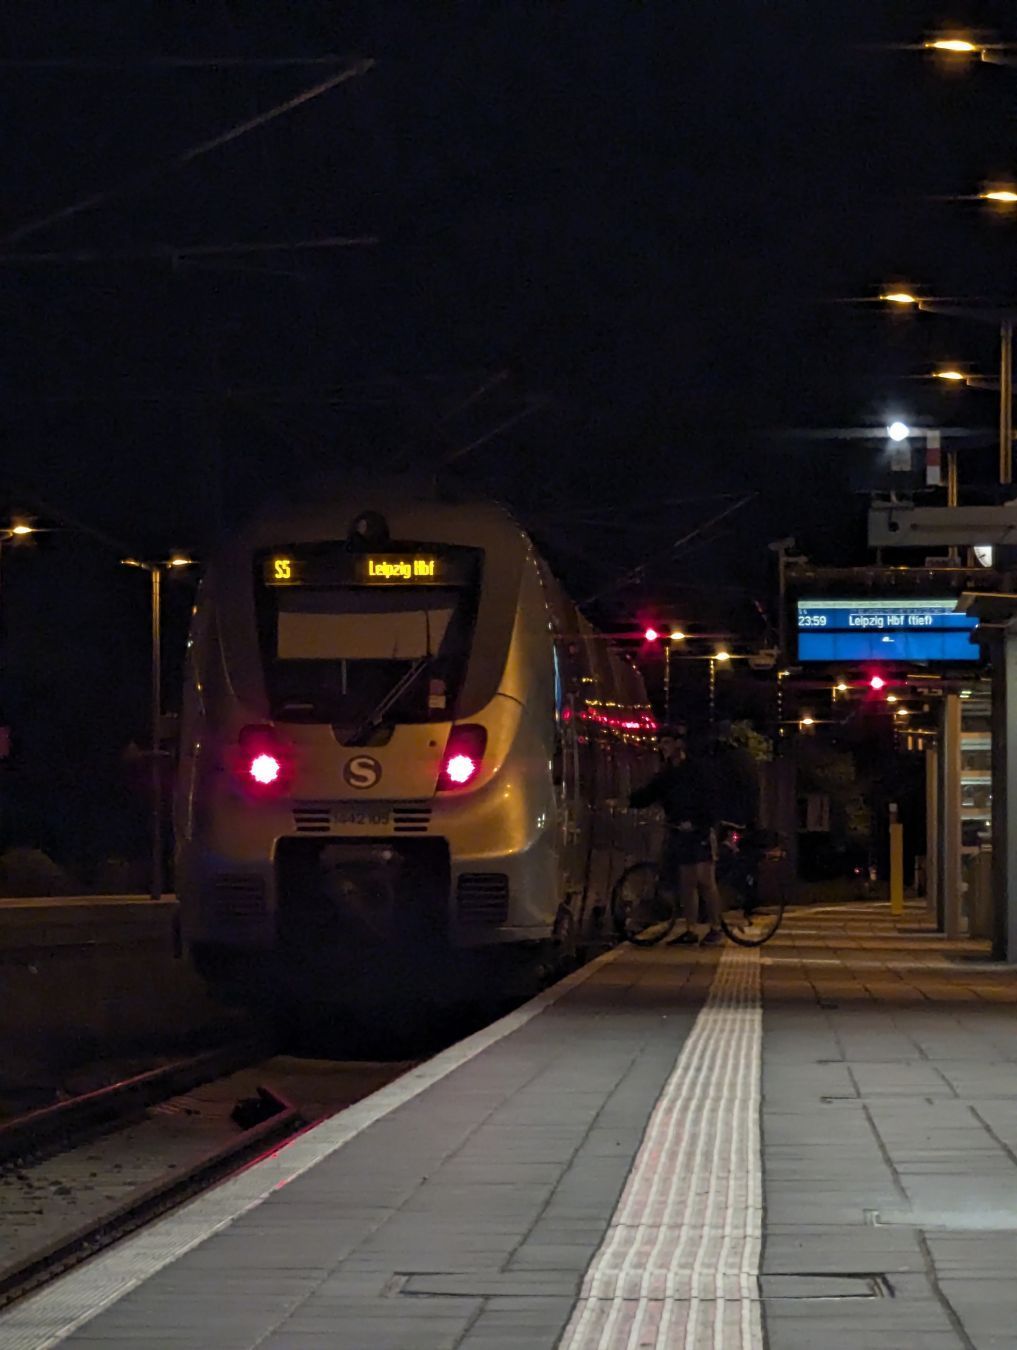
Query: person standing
{"type": "Point", "coordinates": [683, 787]}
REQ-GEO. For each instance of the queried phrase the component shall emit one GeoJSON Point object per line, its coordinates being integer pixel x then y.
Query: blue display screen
{"type": "Point", "coordinates": [885, 630]}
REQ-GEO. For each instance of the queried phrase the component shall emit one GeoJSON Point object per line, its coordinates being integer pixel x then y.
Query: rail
{"type": "Point", "coordinates": [39, 1133]}
{"type": "Point", "coordinates": [46, 1262]}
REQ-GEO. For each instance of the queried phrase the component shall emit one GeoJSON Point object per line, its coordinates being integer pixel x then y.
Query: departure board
{"type": "Point", "coordinates": [902, 630]}
{"type": "Point", "coordinates": [343, 568]}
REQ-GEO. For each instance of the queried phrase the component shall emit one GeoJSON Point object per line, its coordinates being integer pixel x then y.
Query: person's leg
{"type": "Point", "coordinates": [706, 880]}
{"type": "Point", "coordinates": [688, 896]}
{"type": "Point", "coordinates": [671, 885]}
{"type": "Point", "coordinates": [688, 891]}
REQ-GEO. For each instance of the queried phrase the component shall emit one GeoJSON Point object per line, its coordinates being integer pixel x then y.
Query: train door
{"type": "Point", "coordinates": [598, 767]}
{"type": "Point", "coordinates": [571, 802]}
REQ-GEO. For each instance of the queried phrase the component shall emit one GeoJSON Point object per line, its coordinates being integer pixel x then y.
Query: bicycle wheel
{"type": "Point", "coordinates": [749, 924]}
{"type": "Point", "coordinates": [643, 914]}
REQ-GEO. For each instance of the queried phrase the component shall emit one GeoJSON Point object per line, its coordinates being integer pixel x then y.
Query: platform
{"type": "Point", "coordinates": [84, 975]}
{"type": "Point", "coordinates": [811, 1146]}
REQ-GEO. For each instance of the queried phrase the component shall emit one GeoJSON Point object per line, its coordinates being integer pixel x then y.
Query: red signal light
{"type": "Point", "coordinates": [651, 635]}
{"type": "Point", "coordinates": [463, 756]}
{"type": "Point", "coordinates": [877, 682]}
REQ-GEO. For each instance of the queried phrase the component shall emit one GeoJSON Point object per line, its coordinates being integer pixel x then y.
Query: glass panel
{"type": "Point", "coordinates": [334, 648]}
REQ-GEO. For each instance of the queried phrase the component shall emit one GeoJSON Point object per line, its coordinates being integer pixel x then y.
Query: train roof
{"type": "Point", "coordinates": [409, 515]}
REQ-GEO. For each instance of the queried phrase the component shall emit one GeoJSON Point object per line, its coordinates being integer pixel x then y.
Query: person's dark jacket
{"type": "Point", "coordinates": [685, 792]}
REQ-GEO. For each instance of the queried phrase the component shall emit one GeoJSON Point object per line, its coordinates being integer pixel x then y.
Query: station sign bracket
{"type": "Point", "coordinates": [904, 525]}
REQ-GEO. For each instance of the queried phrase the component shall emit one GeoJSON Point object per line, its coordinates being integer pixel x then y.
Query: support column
{"type": "Point", "coordinates": [932, 895]}
{"type": "Point", "coordinates": [1004, 798]}
{"type": "Point", "coordinates": [1006, 401]}
{"type": "Point", "coordinates": [948, 844]}
{"type": "Point", "coordinates": [896, 863]}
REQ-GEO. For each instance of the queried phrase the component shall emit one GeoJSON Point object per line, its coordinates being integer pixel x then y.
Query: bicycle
{"type": "Point", "coordinates": [750, 878]}
{"type": "Point", "coordinates": [642, 912]}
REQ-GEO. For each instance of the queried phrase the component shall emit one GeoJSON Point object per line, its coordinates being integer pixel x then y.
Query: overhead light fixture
{"type": "Point", "coordinates": [960, 45]}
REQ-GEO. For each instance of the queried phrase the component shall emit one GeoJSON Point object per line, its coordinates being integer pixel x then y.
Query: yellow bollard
{"type": "Point", "coordinates": [896, 864]}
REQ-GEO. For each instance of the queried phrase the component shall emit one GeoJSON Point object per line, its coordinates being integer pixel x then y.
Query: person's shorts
{"type": "Point", "coordinates": [681, 849]}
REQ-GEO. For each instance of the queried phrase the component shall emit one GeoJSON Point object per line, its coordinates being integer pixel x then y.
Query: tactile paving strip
{"type": "Point", "coordinates": [679, 1265]}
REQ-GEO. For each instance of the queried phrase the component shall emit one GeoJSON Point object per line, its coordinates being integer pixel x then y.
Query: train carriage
{"type": "Point", "coordinates": [404, 753]}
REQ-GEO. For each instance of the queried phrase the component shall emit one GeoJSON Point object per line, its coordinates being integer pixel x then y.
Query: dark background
{"type": "Point", "coordinates": [633, 228]}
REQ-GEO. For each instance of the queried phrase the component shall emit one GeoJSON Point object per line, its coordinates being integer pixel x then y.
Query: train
{"type": "Point", "coordinates": [405, 756]}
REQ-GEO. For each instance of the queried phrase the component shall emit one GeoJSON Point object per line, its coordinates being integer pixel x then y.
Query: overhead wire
{"type": "Point", "coordinates": [172, 253]}
{"type": "Point", "coordinates": [635, 572]}
{"type": "Point", "coordinates": [185, 157]}
{"type": "Point", "coordinates": [87, 64]}
{"type": "Point", "coordinates": [518, 416]}
{"type": "Point", "coordinates": [486, 385]}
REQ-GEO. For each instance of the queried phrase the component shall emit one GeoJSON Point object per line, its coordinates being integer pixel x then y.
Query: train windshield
{"type": "Point", "coordinates": [339, 633]}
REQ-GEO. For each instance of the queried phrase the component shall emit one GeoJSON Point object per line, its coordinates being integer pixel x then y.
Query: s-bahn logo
{"type": "Point", "coordinates": [362, 771]}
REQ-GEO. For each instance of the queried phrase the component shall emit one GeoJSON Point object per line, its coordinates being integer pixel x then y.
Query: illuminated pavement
{"type": "Point", "coordinates": [812, 1146]}
{"type": "Point", "coordinates": [889, 1127]}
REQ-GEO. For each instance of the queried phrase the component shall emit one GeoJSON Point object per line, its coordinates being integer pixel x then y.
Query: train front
{"type": "Point", "coordinates": [364, 793]}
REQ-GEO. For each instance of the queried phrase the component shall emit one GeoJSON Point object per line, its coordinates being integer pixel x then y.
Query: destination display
{"type": "Point", "coordinates": [885, 630]}
{"type": "Point", "coordinates": [365, 569]}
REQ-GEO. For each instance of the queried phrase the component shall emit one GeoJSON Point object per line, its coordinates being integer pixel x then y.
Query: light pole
{"type": "Point", "coordinates": [1006, 401]}
{"type": "Point", "coordinates": [16, 531]}
{"type": "Point", "coordinates": [952, 376]}
{"type": "Point", "coordinates": [781, 548]}
{"type": "Point", "coordinates": [675, 637]}
{"type": "Point", "coordinates": [905, 299]}
{"type": "Point", "coordinates": [155, 571]}
{"type": "Point", "coordinates": [671, 639]}
{"type": "Point", "coordinates": [722, 655]}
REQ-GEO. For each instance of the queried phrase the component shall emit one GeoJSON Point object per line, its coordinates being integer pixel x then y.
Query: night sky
{"type": "Point", "coordinates": [632, 226]}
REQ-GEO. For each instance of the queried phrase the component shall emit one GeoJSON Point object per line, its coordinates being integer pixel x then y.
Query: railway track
{"type": "Point", "coordinates": [80, 1175]}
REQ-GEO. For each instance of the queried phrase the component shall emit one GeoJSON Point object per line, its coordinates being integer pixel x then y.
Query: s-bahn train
{"type": "Point", "coordinates": [405, 756]}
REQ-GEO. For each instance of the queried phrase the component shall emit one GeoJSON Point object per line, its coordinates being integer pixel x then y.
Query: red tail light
{"type": "Point", "coordinates": [463, 757]}
{"type": "Point", "coordinates": [263, 763]}
{"type": "Point", "coordinates": [264, 769]}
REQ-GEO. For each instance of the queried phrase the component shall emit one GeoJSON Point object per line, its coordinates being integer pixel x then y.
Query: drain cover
{"type": "Point", "coordinates": [969, 1219]}
{"type": "Point", "coordinates": [825, 1286]}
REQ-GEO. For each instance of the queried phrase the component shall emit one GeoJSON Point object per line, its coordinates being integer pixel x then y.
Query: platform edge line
{"type": "Point", "coordinates": [128, 1264]}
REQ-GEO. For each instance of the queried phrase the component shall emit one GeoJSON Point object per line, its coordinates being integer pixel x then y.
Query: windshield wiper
{"type": "Point", "coordinates": [401, 686]}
